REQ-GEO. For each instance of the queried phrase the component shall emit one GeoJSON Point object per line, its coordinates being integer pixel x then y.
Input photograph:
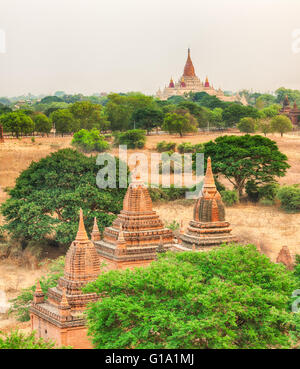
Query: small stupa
{"type": "Point", "coordinates": [208, 228]}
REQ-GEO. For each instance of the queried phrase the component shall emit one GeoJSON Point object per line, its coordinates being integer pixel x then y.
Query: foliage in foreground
{"type": "Point", "coordinates": [20, 305]}
{"type": "Point", "coordinates": [289, 197]}
{"type": "Point", "coordinates": [17, 340]}
{"type": "Point", "coordinates": [47, 196]}
{"type": "Point", "coordinates": [232, 297]}
{"type": "Point", "coordinates": [89, 141]}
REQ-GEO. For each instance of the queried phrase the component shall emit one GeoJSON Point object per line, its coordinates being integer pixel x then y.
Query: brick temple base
{"type": "Point", "coordinates": [63, 336]}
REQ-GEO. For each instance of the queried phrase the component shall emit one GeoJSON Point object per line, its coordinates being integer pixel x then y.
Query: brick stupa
{"type": "Point", "coordinates": [209, 228]}
{"type": "Point", "coordinates": [285, 257]}
{"type": "Point", "coordinates": [60, 318]}
{"type": "Point", "coordinates": [135, 235]}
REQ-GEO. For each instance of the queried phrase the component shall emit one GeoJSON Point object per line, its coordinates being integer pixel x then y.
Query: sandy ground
{"type": "Point", "coordinates": [267, 226]}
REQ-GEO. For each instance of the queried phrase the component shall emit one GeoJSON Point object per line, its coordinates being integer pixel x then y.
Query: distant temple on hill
{"type": "Point", "coordinates": [189, 82]}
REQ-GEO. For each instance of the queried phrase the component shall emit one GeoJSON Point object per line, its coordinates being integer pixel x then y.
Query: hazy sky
{"type": "Point", "coordinates": [92, 46]}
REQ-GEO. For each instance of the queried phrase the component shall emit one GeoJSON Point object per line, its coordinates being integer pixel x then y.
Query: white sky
{"type": "Point", "coordinates": [92, 46]}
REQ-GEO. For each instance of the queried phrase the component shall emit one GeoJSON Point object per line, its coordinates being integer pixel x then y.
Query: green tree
{"type": "Point", "coordinates": [147, 118]}
{"type": "Point", "coordinates": [17, 123]}
{"type": "Point", "coordinates": [64, 121]}
{"type": "Point", "coordinates": [247, 125]}
{"type": "Point", "coordinates": [232, 297]}
{"type": "Point", "coordinates": [133, 138]}
{"type": "Point", "coordinates": [235, 112]}
{"type": "Point", "coordinates": [179, 123]}
{"type": "Point", "coordinates": [281, 124]}
{"type": "Point", "coordinates": [90, 141]}
{"type": "Point", "coordinates": [42, 123]}
{"type": "Point", "coordinates": [216, 118]}
{"type": "Point", "coordinates": [244, 158]}
{"type": "Point", "coordinates": [47, 196]}
{"type": "Point", "coordinates": [89, 115]}
{"type": "Point", "coordinates": [264, 126]}
{"type": "Point", "coordinates": [20, 341]}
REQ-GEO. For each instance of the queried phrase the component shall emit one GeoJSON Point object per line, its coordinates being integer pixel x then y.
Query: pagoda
{"type": "Point", "coordinates": [136, 233]}
{"type": "Point", "coordinates": [60, 317]}
{"type": "Point", "coordinates": [209, 228]}
{"type": "Point", "coordinates": [189, 82]}
{"type": "Point", "coordinates": [293, 113]}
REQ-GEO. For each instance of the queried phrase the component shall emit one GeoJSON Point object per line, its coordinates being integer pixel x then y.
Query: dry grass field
{"type": "Point", "coordinates": [269, 227]}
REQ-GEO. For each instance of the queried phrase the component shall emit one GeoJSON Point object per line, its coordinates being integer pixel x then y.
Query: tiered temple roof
{"type": "Point", "coordinates": [189, 70]}
{"type": "Point", "coordinates": [209, 227]}
{"type": "Point", "coordinates": [137, 232]}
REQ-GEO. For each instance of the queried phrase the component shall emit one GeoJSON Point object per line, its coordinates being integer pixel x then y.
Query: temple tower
{"type": "Point", "coordinates": [60, 318]}
{"type": "Point", "coordinates": [135, 235]}
{"type": "Point", "coordinates": [208, 228]}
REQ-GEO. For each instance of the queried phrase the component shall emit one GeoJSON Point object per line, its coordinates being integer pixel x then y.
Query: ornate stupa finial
{"type": "Point", "coordinates": [81, 234]}
{"type": "Point", "coordinates": [38, 296]}
{"type": "Point", "coordinates": [64, 301]}
{"type": "Point", "coordinates": [95, 235]}
{"type": "Point", "coordinates": [209, 181]}
{"type": "Point", "coordinates": [181, 227]}
{"type": "Point", "coordinates": [206, 84]}
{"type": "Point", "coordinates": [189, 70]}
{"type": "Point", "coordinates": [171, 84]}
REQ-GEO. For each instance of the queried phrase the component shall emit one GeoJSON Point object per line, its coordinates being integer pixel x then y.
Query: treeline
{"type": "Point", "coordinates": [122, 112]}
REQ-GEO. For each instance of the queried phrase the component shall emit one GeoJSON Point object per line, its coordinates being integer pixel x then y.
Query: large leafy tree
{"type": "Point", "coordinates": [232, 297]}
{"type": "Point", "coordinates": [89, 115]}
{"type": "Point", "coordinates": [180, 122]}
{"type": "Point", "coordinates": [147, 118]}
{"type": "Point", "coordinates": [17, 123]}
{"type": "Point", "coordinates": [235, 112]}
{"type": "Point", "coordinates": [47, 196]}
{"type": "Point", "coordinates": [64, 121]}
{"type": "Point", "coordinates": [281, 124]}
{"type": "Point", "coordinates": [247, 125]}
{"type": "Point", "coordinates": [42, 123]}
{"type": "Point", "coordinates": [244, 158]}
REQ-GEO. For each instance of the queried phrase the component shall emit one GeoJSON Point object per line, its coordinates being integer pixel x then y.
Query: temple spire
{"type": "Point", "coordinates": [81, 234]}
{"type": "Point", "coordinates": [209, 181]}
{"type": "Point", "coordinates": [95, 235]}
{"type": "Point", "coordinates": [189, 70]}
{"type": "Point", "coordinates": [206, 82]}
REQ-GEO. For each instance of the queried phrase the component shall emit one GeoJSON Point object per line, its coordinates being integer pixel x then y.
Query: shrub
{"type": "Point", "coordinates": [165, 146]}
{"type": "Point", "coordinates": [266, 202]}
{"type": "Point", "coordinates": [174, 225]}
{"type": "Point", "coordinates": [230, 197]}
{"type": "Point", "coordinates": [134, 138]}
{"type": "Point", "coordinates": [18, 340]}
{"type": "Point", "coordinates": [89, 141]}
{"type": "Point", "coordinates": [231, 297]}
{"type": "Point", "coordinates": [167, 194]}
{"type": "Point", "coordinates": [186, 147]}
{"type": "Point", "coordinates": [289, 197]}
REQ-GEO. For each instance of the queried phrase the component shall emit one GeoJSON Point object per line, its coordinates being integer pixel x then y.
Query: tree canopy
{"type": "Point", "coordinates": [47, 196]}
{"type": "Point", "coordinates": [232, 297]}
{"type": "Point", "coordinates": [244, 158]}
